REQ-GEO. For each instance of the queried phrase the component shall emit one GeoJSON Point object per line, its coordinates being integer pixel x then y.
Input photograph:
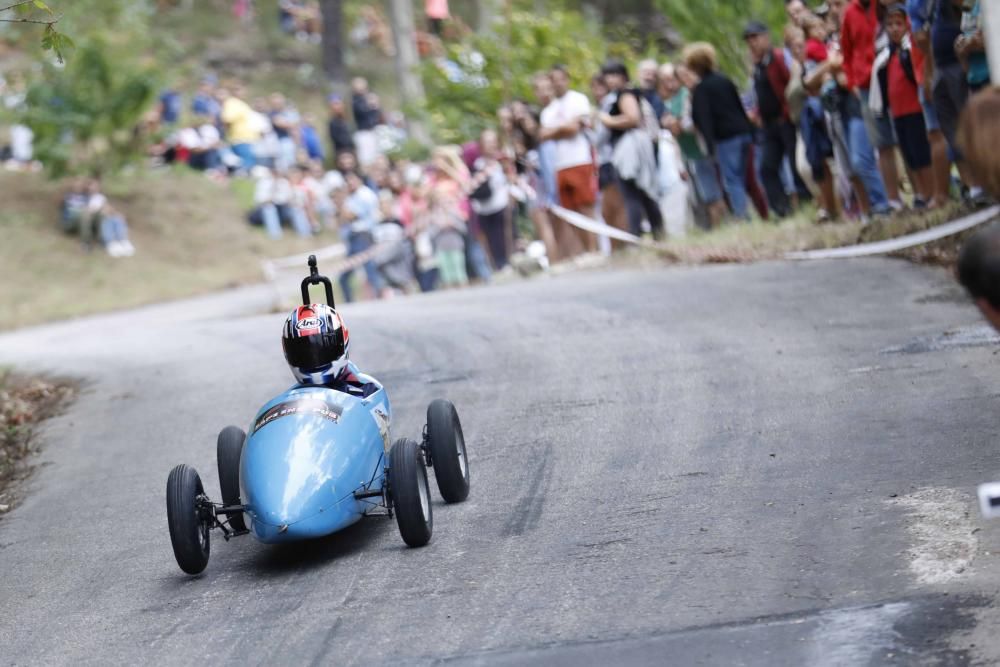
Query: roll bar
{"type": "Point", "coordinates": [314, 278]}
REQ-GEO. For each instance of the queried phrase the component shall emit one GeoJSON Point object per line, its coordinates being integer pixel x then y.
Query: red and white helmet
{"type": "Point", "coordinates": [316, 343]}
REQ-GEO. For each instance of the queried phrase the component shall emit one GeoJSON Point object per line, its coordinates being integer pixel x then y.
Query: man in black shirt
{"type": "Point", "coordinates": [770, 78]}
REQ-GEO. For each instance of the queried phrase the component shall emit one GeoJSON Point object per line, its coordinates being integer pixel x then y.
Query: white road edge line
{"type": "Point", "coordinates": [902, 242]}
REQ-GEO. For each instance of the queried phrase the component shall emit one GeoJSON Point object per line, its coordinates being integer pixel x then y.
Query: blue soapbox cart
{"type": "Point", "coordinates": [317, 460]}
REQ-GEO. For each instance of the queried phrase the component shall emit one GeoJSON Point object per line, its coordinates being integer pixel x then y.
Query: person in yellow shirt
{"type": "Point", "coordinates": [242, 128]}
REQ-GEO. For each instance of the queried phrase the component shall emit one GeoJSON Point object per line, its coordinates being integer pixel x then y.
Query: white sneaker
{"type": "Point", "coordinates": [114, 249]}
{"type": "Point", "coordinates": [127, 249]}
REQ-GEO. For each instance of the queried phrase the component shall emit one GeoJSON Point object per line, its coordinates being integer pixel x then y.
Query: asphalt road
{"type": "Point", "coordinates": [761, 465]}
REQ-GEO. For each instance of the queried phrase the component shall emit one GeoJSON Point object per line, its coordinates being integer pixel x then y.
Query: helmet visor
{"type": "Point", "coordinates": [310, 353]}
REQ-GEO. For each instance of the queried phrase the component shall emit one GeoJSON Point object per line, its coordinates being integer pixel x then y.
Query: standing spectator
{"type": "Point", "coordinates": [491, 199]}
{"type": "Point", "coordinates": [613, 210]}
{"type": "Point", "coordinates": [894, 89]}
{"type": "Point", "coordinates": [367, 115]}
{"type": "Point", "coordinates": [770, 78]}
{"type": "Point", "coordinates": [941, 158]}
{"type": "Point", "coordinates": [634, 150]}
{"type": "Point", "coordinates": [649, 85]}
{"type": "Point", "coordinates": [548, 226]}
{"type": "Point", "coordinates": [816, 144]}
{"type": "Point", "coordinates": [285, 120]}
{"type": "Point", "coordinates": [242, 127]}
{"type": "Point", "coordinates": [950, 83]}
{"type": "Point", "coordinates": [860, 28]}
{"type": "Point", "coordinates": [338, 128]}
{"type": "Point", "coordinates": [448, 231]}
{"type": "Point", "coordinates": [358, 215]}
{"type": "Point", "coordinates": [437, 14]}
{"type": "Point", "coordinates": [676, 84]}
{"type": "Point", "coordinates": [971, 46]}
{"type": "Point", "coordinates": [564, 122]}
{"type": "Point", "coordinates": [722, 121]}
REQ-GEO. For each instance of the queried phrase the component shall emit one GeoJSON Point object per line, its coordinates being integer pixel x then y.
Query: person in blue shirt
{"type": "Point", "coordinates": [309, 138]}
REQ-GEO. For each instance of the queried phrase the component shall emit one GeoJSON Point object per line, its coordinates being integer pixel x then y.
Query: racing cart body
{"type": "Point", "coordinates": [316, 460]}
{"type": "Point", "coordinates": [309, 454]}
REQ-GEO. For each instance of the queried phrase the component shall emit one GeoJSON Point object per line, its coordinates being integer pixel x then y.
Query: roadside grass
{"type": "Point", "coordinates": [759, 239]}
{"type": "Point", "coordinates": [190, 233]}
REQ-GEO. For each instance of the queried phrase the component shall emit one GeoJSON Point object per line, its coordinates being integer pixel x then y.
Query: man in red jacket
{"type": "Point", "coordinates": [859, 32]}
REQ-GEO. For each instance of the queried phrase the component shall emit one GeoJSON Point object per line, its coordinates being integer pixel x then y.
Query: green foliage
{"type": "Point", "coordinates": [721, 23]}
{"type": "Point", "coordinates": [85, 116]}
{"type": "Point", "coordinates": [466, 87]}
{"type": "Point", "coordinates": [38, 13]}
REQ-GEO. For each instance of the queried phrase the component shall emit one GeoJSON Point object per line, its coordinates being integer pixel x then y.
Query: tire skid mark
{"type": "Point", "coordinates": [529, 509]}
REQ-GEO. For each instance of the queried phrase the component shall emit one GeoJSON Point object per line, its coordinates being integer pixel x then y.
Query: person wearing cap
{"type": "Point", "coordinates": [771, 76]}
{"type": "Point", "coordinates": [338, 127]}
{"type": "Point", "coordinates": [858, 33]}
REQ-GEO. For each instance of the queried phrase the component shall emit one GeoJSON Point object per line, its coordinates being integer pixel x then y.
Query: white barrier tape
{"type": "Point", "coordinates": [271, 266]}
{"type": "Point", "coordinates": [902, 242]}
{"type": "Point", "coordinates": [599, 228]}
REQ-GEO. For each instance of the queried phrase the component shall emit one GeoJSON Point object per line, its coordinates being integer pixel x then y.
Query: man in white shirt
{"type": "Point", "coordinates": [565, 121]}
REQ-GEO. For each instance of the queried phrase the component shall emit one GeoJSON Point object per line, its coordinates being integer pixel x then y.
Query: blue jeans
{"type": "Point", "coordinates": [357, 243]}
{"type": "Point", "coordinates": [245, 153]}
{"type": "Point", "coordinates": [273, 214]}
{"type": "Point", "coordinates": [732, 155]}
{"type": "Point", "coordinates": [113, 229]}
{"type": "Point", "coordinates": [864, 164]}
{"type": "Point", "coordinates": [476, 257]}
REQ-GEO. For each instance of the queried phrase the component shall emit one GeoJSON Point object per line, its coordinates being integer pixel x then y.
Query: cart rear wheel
{"type": "Point", "coordinates": [228, 451]}
{"type": "Point", "coordinates": [410, 493]}
{"type": "Point", "coordinates": [447, 445]}
{"type": "Point", "coordinates": [188, 531]}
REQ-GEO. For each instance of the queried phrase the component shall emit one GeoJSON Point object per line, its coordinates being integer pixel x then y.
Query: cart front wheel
{"type": "Point", "coordinates": [188, 530]}
{"type": "Point", "coordinates": [410, 493]}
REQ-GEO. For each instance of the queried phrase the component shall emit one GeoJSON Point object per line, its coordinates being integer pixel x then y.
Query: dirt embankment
{"type": "Point", "coordinates": [24, 404]}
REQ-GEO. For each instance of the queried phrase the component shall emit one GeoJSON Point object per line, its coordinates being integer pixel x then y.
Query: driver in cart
{"type": "Point", "coordinates": [317, 345]}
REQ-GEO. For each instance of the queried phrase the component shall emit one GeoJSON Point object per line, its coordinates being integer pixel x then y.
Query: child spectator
{"type": "Point", "coordinates": [896, 77]}
{"type": "Point", "coordinates": [448, 234]}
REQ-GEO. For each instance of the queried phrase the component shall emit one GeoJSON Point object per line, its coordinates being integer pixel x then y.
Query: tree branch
{"type": "Point", "coordinates": [40, 22]}
{"type": "Point", "coordinates": [15, 5]}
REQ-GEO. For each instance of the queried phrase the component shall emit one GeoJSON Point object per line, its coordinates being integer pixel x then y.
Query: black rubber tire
{"type": "Point", "coordinates": [410, 493]}
{"type": "Point", "coordinates": [448, 455]}
{"type": "Point", "coordinates": [228, 451]}
{"type": "Point", "coordinates": [188, 534]}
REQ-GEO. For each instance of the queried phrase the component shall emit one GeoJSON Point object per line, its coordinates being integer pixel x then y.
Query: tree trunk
{"type": "Point", "coordinates": [333, 44]}
{"type": "Point", "coordinates": [486, 13]}
{"type": "Point", "coordinates": [407, 62]}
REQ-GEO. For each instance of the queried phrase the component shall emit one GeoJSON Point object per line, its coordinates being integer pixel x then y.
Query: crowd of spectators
{"type": "Point", "coordinates": [856, 88]}
{"type": "Point", "coordinates": [856, 104]}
